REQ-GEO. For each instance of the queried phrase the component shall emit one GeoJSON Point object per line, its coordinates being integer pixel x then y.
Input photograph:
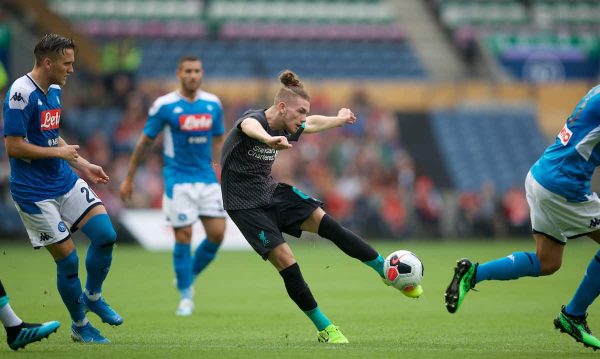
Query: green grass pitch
{"type": "Point", "coordinates": [243, 311]}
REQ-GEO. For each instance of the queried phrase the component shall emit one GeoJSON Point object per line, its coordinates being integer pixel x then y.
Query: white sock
{"type": "Point", "coordinates": [187, 293]}
{"type": "Point", "coordinates": [8, 317]}
{"type": "Point", "coordinates": [93, 296]}
{"type": "Point", "coordinates": [82, 322]}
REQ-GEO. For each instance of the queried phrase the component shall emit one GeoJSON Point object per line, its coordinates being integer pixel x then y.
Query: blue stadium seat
{"type": "Point", "coordinates": [311, 59]}
{"type": "Point", "coordinates": [488, 143]}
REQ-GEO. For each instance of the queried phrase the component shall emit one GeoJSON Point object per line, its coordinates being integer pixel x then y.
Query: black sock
{"type": "Point", "coordinates": [348, 242]}
{"type": "Point", "coordinates": [297, 288]}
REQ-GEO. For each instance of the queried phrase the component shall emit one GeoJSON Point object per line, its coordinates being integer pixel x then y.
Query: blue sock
{"type": "Point", "coordinates": [588, 289]}
{"type": "Point", "coordinates": [318, 318]}
{"type": "Point", "coordinates": [205, 253]}
{"type": "Point", "coordinates": [182, 261]}
{"type": "Point", "coordinates": [377, 264]}
{"type": "Point", "coordinates": [69, 286]}
{"type": "Point", "coordinates": [516, 265]}
{"type": "Point", "coordinates": [102, 235]}
{"type": "Point", "coordinates": [97, 263]}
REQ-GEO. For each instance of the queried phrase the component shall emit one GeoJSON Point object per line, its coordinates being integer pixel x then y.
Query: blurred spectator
{"type": "Point", "coordinates": [516, 211]}
{"type": "Point", "coordinates": [469, 205]}
{"type": "Point", "coordinates": [132, 122]}
{"type": "Point", "coordinates": [487, 220]}
{"type": "Point", "coordinates": [465, 39]}
{"type": "Point", "coordinates": [428, 206]}
{"type": "Point", "coordinates": [121, 56]}
{"type": "Point", "coordinates": [120, 62]}
{"type": "Point", "coordinates": [393, 212]}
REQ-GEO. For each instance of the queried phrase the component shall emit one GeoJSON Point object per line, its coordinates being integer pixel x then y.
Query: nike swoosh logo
{"type": "Point", "coordinates": [397, 260]}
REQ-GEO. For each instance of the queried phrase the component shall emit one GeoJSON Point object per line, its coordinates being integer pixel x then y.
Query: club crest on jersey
{"type": "Point", "coordinates": [565, 135]}
{"type": "Point", "coordinates": [197, 122]}
{"type": "Point", "coordinates": [50, 119]}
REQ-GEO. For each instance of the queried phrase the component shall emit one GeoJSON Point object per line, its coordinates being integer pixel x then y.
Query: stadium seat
{"type": "Point", "coordinates": [492, 143]}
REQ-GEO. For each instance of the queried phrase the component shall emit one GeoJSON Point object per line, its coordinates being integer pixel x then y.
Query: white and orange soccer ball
{"type": "Point", "coordinates": [404, 271]}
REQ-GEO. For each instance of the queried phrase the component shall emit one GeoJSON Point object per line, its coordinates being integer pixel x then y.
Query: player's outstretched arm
{"type": "Point", "coordinates": [252, 128]}
{"type": "Point", "coordinates": [90, 171]}
{"type": "Point", "coordinates": [18, 147]}
{"type": "Point", "coordinates": [137, 157]}
{"type": "Point", "coordinates": [319, 123]}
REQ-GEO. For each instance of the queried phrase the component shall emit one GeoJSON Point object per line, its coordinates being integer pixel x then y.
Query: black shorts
{"type": "Point", "coordinates": [262, 227]}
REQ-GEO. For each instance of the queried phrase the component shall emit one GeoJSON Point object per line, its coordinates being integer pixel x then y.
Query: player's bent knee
{"type": "Point", "coordinates": [107, 237]}
{"type": "Point", "coordinates": [549, 268]}
{"type": "Point", "coordinates": [100, 231]}
{"type": "Point", "coordinates": [282, 257]}
{"type": "Point", "coordinates": [183, 235]}
{"type": "Point", "coordinates": [217, 238]}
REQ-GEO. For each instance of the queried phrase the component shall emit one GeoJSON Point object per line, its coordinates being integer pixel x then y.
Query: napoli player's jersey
{"type": "Point", "coordinates": [567, 166]}
{"type": "Point", "coordinates": [35, 115]}
{"type": "Point", "coordinates": [189, 127]}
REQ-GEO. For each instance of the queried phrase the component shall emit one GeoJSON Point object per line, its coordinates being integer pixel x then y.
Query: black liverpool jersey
{"type": "Point", "coordinates": [246, 180]}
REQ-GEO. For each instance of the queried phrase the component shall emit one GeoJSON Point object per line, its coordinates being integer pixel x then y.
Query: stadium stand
{"type": "Point", "coordinates": [319, 39]}
{"type": "Point", "coordinates": [396, 172]}
{"type": "Point", "coordinates": [483, 144]}
{"type": "Point", "coordinates": [538, 40]}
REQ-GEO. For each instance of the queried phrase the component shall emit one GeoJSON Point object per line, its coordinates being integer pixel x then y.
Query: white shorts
{"type": "Point", "coordinates": [193, 200]}
{"type": "Point", "coordinates": [554, 216]}
{"type": "Point", "coordinates": [52, 220]}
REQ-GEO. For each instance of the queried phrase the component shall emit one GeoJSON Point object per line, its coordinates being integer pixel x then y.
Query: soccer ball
{"type": "Point", "coordinates": [403, 270]}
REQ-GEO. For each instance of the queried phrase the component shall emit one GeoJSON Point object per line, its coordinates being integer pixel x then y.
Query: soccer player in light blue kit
{"type": "Point", "coordinates": [562, 206]}
{"type": "Point", "coordinates": [51, 199]}
{"type": "Point", "coordinates": [192, 120]}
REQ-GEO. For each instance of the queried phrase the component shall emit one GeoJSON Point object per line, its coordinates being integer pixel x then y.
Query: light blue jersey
{"type": "Point", "coordinates": [189, 127]}
{"type": "Point", "coordinates": [567, 166]}
{"type": "Point", "coordinates": [34, 115]}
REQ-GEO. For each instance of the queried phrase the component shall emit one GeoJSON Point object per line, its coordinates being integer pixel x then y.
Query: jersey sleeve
{"type": "Point", "coordinates": [156, 120]}
{"type": "Point", "coordinates": [261, 120]}
{"type": "Point", "coordinates": [238, 123]}
{"type": "Point", "coordinates": [251, 114]}
{"type": "Point", "coordinates": [217, 127]}
{"type": "Point", "coordinates": [17, 113]}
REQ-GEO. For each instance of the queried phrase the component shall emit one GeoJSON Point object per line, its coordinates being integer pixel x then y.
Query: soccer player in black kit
{"type": "Point", "coordinates": [262, 209]}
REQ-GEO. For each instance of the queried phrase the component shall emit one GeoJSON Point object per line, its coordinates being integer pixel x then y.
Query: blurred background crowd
{"type": "Point", "coordinates": [455, 98]}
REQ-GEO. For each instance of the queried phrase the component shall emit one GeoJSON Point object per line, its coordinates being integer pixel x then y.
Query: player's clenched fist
{"type": "Point", "coordinates": [347, 115]}
{"type": "Point", "coordinates": [278, 143]}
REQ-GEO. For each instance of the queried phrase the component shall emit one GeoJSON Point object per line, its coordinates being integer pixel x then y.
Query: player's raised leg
{"type": "Point", "coordinates": [18, 332]}
{"type": "Point", "coordinates": [545, 261]}
{"type": "Point", "coordinates": [327, 227]}
{"type": "Point", "coordinates": [98, 228]}
{"type": "Point", "coordinates": [462, 282]}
